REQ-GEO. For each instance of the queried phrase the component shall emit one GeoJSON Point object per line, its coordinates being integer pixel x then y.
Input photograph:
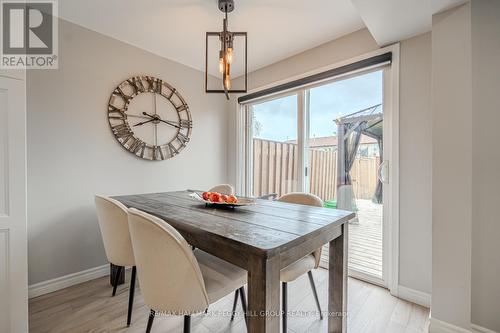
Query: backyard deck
{"type": "Point", "coordinates": [365, 239]}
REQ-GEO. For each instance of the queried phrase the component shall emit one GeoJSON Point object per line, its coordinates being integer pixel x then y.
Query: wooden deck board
{"type": "Point", "coordinates": [365, 239]}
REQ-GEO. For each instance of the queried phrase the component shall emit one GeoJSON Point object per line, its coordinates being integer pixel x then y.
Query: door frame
{"type": "Point", "coordinates": [391, 151]}
{"type": "Point", "coordinates": [391, 144]}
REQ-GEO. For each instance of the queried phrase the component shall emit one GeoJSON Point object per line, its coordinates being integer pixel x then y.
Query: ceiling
{"type": "Point", "coordinates": [277, 29]}
{"type": "Point", "coordinates": [175, 29]}
{"type": "Point", "coordinates": [390, 21]}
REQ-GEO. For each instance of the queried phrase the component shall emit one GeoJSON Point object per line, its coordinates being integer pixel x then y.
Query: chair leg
{"type": "Point", "coordinates": [150, 321]}
{"type": "Point", "coordinates": [117, 278]}
{"type": "Point", "coordinates": [131, 295]}
{"type": "Point", "coordinates": [244, 303]}
{"type": "Point", "coordinates": [187, 324]}
{"type": "Point", "coordinates": [284, 295]}
{"type": "Point", "coordinates": [315, 293]}
{"type": "Point", "coordinates": [234, 304]}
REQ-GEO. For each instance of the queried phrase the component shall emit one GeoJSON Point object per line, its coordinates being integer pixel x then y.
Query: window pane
{"type": "Point", "coordinates": [275, 150]}
{"type": "Point", "coordinates": [328, 103]}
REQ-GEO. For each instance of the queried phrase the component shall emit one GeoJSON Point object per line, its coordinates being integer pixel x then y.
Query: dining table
{"type": "Point", "coordinates": [262, 238]}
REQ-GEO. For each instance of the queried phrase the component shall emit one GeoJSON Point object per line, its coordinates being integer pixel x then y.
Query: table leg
{"type": "Point", "coordinates": [263, 295]}
{"type": "Point", "coordinates": [337, 283]}
{"type": "Point", "coordinates": [113, 270]}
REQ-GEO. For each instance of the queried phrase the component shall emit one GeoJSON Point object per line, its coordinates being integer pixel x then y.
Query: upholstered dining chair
{"type": "Point", "coordinates": [223, 189]}
{"type": "Point", "coordinates": [302, 266]}
{"type": "Point", "coordinates": [195, 278]}
{"type": "Point", "coordinates": [113, 222]}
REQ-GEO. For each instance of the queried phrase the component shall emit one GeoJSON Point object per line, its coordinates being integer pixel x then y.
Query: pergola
{"type": "Point", "coordinates": [369, 122]}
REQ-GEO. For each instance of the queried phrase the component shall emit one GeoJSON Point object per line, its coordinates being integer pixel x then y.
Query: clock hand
{"type": "Point", "coordinates": [168, 122]}
{"type": "Point", "coordinates": [150, 116]}
{"type": "Point", "coordinates": [171, 123]}
{"type": "Point", "coordinates": [144, 122]}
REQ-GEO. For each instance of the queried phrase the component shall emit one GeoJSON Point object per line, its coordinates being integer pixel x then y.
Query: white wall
{"type": "Point", "coordinates": [415, 130]}
{"type": "Point", "coordinates": [451, 167]}
{"type": "Point", "coordinates": [73, 155]}
{"type": "Point", "coordinates": [466, 229]}
{"type": "Point", "coordinates": [485, 24]}
{"type": "Point", "coordinates": [415, 165]}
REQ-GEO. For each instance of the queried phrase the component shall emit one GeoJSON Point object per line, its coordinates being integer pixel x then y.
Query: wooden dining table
{"type": "Point", "coordinates": [261, 238]}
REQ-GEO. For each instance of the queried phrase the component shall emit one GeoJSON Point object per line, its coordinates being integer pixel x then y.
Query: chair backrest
{"type": "Point", "coordinates": [302, 199]}
{"type": "Point", "coordinates": [305, 199]}
{"type": "Point", "coordinates": [113, 222]}
{"type": "Point", "coordinates": [170, 278]}
{"type": "Point", "coordinates": [223, 189]}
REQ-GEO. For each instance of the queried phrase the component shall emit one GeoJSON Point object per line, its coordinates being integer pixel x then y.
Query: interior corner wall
{"type": "Point", "coordinates": [451, 167]}
{"type": "Point", "coordinates": [485, 35]}
{"type": "Point", "coordinates": [72, 154]}
{"type": "Point", "coordinates": [415, 165]}
{"type": "Point", "coordinates": [415, 137]}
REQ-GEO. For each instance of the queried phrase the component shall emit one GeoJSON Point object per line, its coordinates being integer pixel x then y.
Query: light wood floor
{"type": "Point", "coordinates": [89, 307]}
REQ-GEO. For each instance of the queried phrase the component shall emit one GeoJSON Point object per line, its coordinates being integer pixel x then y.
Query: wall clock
{"type": "Point", "coordinates": [149, 118]}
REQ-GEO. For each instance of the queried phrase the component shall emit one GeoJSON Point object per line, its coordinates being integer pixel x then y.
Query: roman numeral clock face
{"type": "Point", "coordinates": [149, 118]}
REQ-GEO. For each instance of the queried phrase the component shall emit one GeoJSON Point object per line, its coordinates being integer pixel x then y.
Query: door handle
{"type": "Point", "coordinates": [383, 172]}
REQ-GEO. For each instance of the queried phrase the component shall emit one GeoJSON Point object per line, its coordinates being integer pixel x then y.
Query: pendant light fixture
{"type": "Point", "coordinates": [226, 56]}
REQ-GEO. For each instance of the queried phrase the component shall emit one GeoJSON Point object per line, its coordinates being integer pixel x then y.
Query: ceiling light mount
{"type": "Point", "coordinates": [226, 6]}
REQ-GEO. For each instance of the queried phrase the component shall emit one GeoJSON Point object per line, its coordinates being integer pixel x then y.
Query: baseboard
{"type": "Point", "coordinates": [480, 329]}
{"type": "Point", "coordinates": [439, 326]}
{"type": "Point", "coordinates": [366, 278]}
{"type": "Point", "coordinates": [69, 280]}
{"type": "Point", "coordinates": [414, 296]}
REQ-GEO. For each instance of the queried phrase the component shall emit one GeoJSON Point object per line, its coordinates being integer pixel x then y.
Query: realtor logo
{"type": "Point", "coordinates": [29, 34]}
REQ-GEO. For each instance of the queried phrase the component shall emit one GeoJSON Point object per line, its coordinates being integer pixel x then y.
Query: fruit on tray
{"type": "Point", "coordinates": [216, 197]}
{"type": "Point", "coordinates": [232, 199]}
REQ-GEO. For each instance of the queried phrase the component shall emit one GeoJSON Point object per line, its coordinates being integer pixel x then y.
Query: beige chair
{"type": "Point", "coordinates": [113, 222]}
{"type": "Point", "coordinates": [223, 189]}
{"type": "Point", "coordinates": [304, 265]}
{"type": "Point", "coordinates": [174, 279]}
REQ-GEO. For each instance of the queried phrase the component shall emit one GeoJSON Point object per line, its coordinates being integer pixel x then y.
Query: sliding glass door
{"type": "Point", "coordinates": [327, 139]}
{"type": "Point", "coordinates": [345, 141]}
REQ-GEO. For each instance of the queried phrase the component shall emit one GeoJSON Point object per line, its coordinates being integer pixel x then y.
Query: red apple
{"type": "Point", "coordinates": [223, 198]}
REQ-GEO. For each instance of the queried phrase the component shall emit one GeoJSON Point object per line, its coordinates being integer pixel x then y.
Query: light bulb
{"type": "Point", "coordinates": [229, 55]}
{"type": "Point", "coordinates": [221, 65]}
{"type": "Point", "coordinates": [221, 61]}
{"type": "Point", "coordinates": [227, 82]}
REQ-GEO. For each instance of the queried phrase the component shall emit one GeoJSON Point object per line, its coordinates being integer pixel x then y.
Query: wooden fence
{"type": "Point", "coordinates": [275, 171]}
